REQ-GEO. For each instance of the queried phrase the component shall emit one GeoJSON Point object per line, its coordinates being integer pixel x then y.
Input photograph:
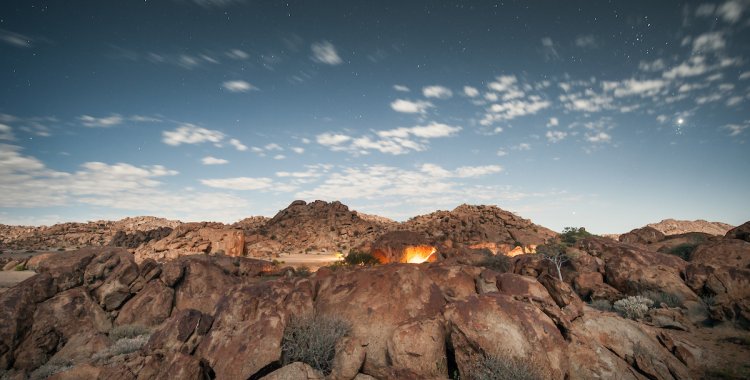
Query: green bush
{"type": "Point", "coordinates": [570, 235]}
{"type": "Point", "coordinates": [312, 339]}
{"type": "Point", "coordinates": [659, 298]}
{"type": "Point", "coordinates": [360, 258]}
{"type": "Point", "coordinates": [20, 267]}
{"type": "Point", "coordinates": [634, 307]}
{"type": "Point", "coordinates": [503, 368]}
{"type": "Point", "coordinates": [683, 251]}
{"type": "Point", "coordinates": [601, 304]}
{"type": "Point", "coordinates": [499, 263]}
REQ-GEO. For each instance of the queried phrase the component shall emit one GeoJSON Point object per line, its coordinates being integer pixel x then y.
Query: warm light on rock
{"type": "Point", "coordinates": [418, 254]}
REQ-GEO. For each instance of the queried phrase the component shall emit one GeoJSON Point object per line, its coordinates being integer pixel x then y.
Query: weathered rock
{"type": "Point", "coordinates": [259, 311]}
{"type": "Point", "coordinates": [137, 238]}
{"type": "Point", "coordinates": [455, 281]}
{"type": "Point", "coordinates": [11, 265]}
{"type": "Point", "coordinates": [479, 323]}
{"type": "Point", "coordinates": [676, 227]}
{"type": "Point", "coordinates": [172, 272]}
{"type": "Point", "coordinates": [350, 354]}
{"type": "Point", "coordinates": [643, 235]}
{"type": "Point", "coordinates": [68, 268]}
{"type": "Point", "coordinates": [419, 347]}
{"type": "Point", "coordinates": [723, 253]}
{"type": "Point", "coordinates": [182, 333]}
{"type": "Point", "coordinates": [627, 340]}
{"type": "Point", "coordinates": [175, 366]}
{"type": "Point", "coordinates": [55, 322]}
{"type": "Point", "coordinates": [202, 286]}
{"type": "Point", "coordinates": [669, 318]}
{"type": "Point", "coordinates": [83, 371]}
{"type": "Point", "coordinates": [150, 307]}
{"type": "Point", "coordinates": [741, 232]}
{"type": "Point", "coordinates": [109, 276]}
{"type": "Point", "coordinates": [294, 371]}
{"type": "Point", "coordinates": [369, 294]}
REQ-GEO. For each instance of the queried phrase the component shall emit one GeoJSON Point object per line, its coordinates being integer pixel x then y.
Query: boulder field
{"type": "Point", "coordinates": [98, 314]}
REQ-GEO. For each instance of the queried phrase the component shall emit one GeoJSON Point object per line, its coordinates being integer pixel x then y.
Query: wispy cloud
{"type": "Point", "coordinates": [239, 183]}
{"type": "Point", "coordinates": [15, 39]}
{"type": "Point", "coordinates": [192, 134]}
{"type": "Point", "coordinates": [401, 88]}
{"type": "Point", "coordinates": [101, 122]}
{"type": "Point", "coordinates": [393, 141]}
{"type": "Point", "coordinates": [471, 92]}
{"type": "Point", "coordinates": [737, 129]}
{"type": "Point", "coordinates": [586, 41]}
{"type": "Point", "coordinates": [325, 52]}
{"type": "Point", "coordinates": [238, 86]}
{"type": "Point", "coordinates": [237, 144]}
{"type": "Point", "coordinates": [6, 133]}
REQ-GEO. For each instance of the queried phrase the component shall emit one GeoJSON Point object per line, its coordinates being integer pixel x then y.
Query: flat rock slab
{"type": "Point", "coordinates": [9, 279]}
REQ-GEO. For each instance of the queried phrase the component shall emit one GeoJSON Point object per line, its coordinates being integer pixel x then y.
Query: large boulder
{"type": "Point", "coordinates": [369, 296]}
{"type": "Point", "coordinates": [644, 235]}
{"type": "Point", "coordinates": [741, 232]}
{"type": "Point", "coordinates": [109, 276]}
{"type": "Point", "coordinates": [247, 332]}
{"type": "Point", "coordinates": [419, 347]}
{"type": "Point", "coordinates": [68, 268]}
{"type": "Point", "coordinates": [477, 325]}
{"type": "Point", "coordinates": [150, 307]}
{"type": "Point", "coordinates": [182, 332]}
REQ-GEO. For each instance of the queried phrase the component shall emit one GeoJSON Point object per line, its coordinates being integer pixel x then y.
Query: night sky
{"type": "Point", "coordinates": [603, 114]}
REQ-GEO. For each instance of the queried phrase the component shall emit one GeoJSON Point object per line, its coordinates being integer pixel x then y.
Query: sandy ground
{"type": "Point", "coordinates": [312, 260]}
{"type": "Point", "coordinates": [10, 278]}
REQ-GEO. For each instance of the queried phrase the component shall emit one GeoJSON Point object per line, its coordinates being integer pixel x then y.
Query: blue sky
{"type": "Point", "coordinates": [608, 115]}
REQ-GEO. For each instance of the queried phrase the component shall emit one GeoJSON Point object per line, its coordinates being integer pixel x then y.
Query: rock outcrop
{"type": "Point", "coordinates": [676, 227]}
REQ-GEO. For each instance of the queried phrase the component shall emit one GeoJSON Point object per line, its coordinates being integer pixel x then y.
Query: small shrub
{"type": "Point", "coordinates": [634, 307]}
{"type": "Point", "coordinates": [708, 299]}
{"type": "Point", "coordinates": [499, 263]}
{"type": "Point", "coordinates": [683, 251]}
{"type": "Point", "coordinates": [659, 298]}
{"type": "Point", "coordinates": [50, 368]}
{"type": "Point", "coordinates": [128, 331]}
{"type": "Point", "coordinates": [20, 267]}
{"type": "Point", "coordinates": [127, 345]}
{"type": "Point", "coordinates": [503, 368]}
{"type": "Point", "coordinates": [312, 340]}
{"type": "Point", "coordinates": [601, 304]}
{"type": "Point", "coordinates": [302, 271]}
{"type": "Point", "coordinates": [570, 235]}
{"type": "Point", "coordinates": [361, 258]}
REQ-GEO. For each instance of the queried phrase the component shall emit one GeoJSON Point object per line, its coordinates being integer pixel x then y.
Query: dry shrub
{"type": "Point", "coordinates": [50, 368]}
{"type": "Point", "coordinates": [634, 307]}
{"type": "Point", "coordinates": [601, 304]}
{"type": "Point", "coordinates": [128, 331]}
{"type": "Point", "coordinates": [312, 339]}
{"type": "Point", "coordinates": [507, 367]}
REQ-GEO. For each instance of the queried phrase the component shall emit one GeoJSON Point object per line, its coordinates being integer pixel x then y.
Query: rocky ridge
{"type": "Point", "coordinates": [677, 227]}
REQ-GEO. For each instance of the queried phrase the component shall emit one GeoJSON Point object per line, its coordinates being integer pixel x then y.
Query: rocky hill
{"type": "Point", "coordinates": [479, 227]}
{"type": "Point", "coordinates": [76, 235]}
{"type": "Point", "coordinates": [314, 227]}
{"type": "Point", "coordinates": [677, 227]}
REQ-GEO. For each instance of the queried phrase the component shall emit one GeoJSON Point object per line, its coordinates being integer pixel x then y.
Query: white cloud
{"type": "Point", "coordinates": [744, 75]}
{"type": "Point", "coordinates": [192, 134]}
{"type": "Point", "coordinates": [329, 139]}
{"type": "Point", "coordinates": [549, 50]}
{"type": "Point", "coordinates": [555, 136]}
{"type": "Point", "coordinates": [101, 122]}
{"type": "Point", "coordinates": [438, 92]}
{"type": "Point", "coordinates": [477, 171]}
{"type": "Point", "coordinates": [408, 106]}
{"type": "Point", "coordinates": [705, 10]}
{"type": "Point", "coordinates": [430, 131]}
{"type": "Point", "coordinates": [209, 160]}
{"type": "Point", "coordinates": [237, 144]}
{"type": "Point", "coordinates": [238, 86]}
{"type": "Point", "coordinates": [731, 11]}
{"type": "Point", "coordinates": [239, 183]}
{"type": "Point", "coordinates": [501, 153]}
{"type": "Point", "coordinates": [298, 150]}
{"type": "Point", "coordinates": [522, 146]}
{"type": "Point", "coordinates": [503, 83]}
{"type": "Point", "coordinates": [325, 52]}
{"type": "Point", "coordinates": [513, 109]}
{"type": "Point", "coordinates": [15, 39]}
{"type": "Point", "coordinates": [471, 92]}
{"type": "Point", "coordinates": [695, 66]}
{"type": "Point", "coordinates": [631, 87]}
{"type": "Point", "coordinates": [553, 122]}
{"type": "Point", "coordinates": [586, 41]}
{"type": "Point", "coordinates": [279, 157]}
{"type": "Point", "coordinates": [598, 137]}
{"type": "Point", "coordinates": [491, 96]}
{"type": "Point", "coordinates": [707, 42]}
{"type": "Point", "coordinates": [400, 88]}
{"type": "Point", "coordinates": [6, 133]}
{"type": "Point", "coordinates": [656, 65]}
{"type": "Point", "coordinates": [273, 146]}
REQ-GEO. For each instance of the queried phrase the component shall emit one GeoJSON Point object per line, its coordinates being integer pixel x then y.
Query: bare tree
{"type": "Point", "coordinates": [555, 253]}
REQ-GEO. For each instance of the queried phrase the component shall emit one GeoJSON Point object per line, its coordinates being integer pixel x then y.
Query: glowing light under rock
{"type": "Point", "coordinates": [418, 254]}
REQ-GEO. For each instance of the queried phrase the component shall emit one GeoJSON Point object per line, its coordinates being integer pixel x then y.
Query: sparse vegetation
{"type": "Point", "coordinates": [683, 251]}
{"type": "Point", "coordinates": [499, 263]}
{"type": "Point", "coordinates": [50, 368]}
{"type": "Point", "coordinates": [601, 304]}
{"type": "Point", "coordinates": [361, 258]}
{"type": "Point", "coordinates": [570, 235]}
{"type": "Point", "coordinates": [503, 368]}
{"type": "Point", "coordinates": [122, 346]}
{"type": "Point", "coordinates": [312, 339]}
{"type": "Point", "coordinates": [20, 267]}
{"type": "Point", "coordinates": [634, 307]}
{"type": "Point", "coordinates": [708, 299]}
{"type": "Point", "coordinates": [659, 298]}
{"type": "Point", "coordinates": [302, 271]}
{"type": "Point", "coordinates": [128, 331]}
{"type": "Point", "coordinates": [554, 252]}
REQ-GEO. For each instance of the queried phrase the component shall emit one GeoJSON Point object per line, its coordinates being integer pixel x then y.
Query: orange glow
{"type": "Point", "coordinates": [521, 250]}
{"type": "Point", "coordinates": [418, 254]}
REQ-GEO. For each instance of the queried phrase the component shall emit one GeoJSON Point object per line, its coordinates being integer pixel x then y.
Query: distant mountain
{"type": "Point", "coordinates": [677, 227]}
